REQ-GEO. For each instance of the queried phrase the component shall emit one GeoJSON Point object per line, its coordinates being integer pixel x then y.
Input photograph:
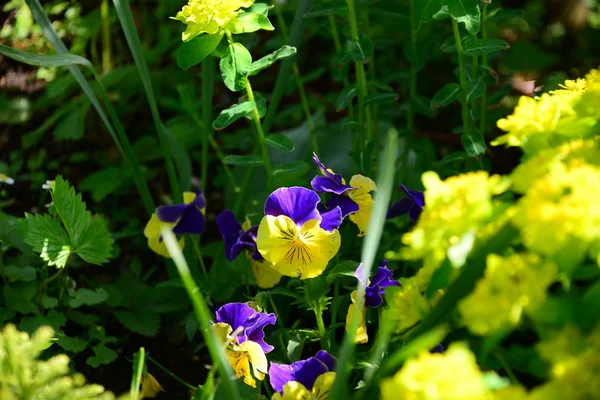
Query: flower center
{"type": "Point", "coordinates": [298, 250]}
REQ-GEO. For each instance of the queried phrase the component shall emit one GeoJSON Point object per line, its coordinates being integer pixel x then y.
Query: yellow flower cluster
{"type": "Point", "coordinates": [452, 375]}
{"type": "Point", "coordinates": [209, 16]}
{"type": "Point", "coordinates": [555, 117]}
{"type": "Point", "coordinates": [455, 207]}
{"type": "Point", "coordinates": [512, 285]}
{"type": "Point", "coordinates": [407, 304]}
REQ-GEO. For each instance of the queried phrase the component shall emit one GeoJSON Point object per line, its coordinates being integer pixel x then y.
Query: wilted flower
{"type": "Point", "coordinates": [306, 379]}
{"type": "Point", "coordinates": [6, 179]}
{"type": "Point", "coordinates": [237, 238]}
{"type": "Point", "coordinates": [294, 236]}
{"type": "Point", "coordinates": [181, 218]}
{"type": "Point", "coordinates": [354, 200]}
{"type": "Point", "coordinates": [412, 205]}
{"type": "Point", "coordinates": [209, 16]}
{"type": "Point", "coordinates": [451, 375]}
{"type": "Point", "coordinates": [241, 329]}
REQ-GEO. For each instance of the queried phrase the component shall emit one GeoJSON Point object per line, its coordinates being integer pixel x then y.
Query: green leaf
{"type": "Point", "coordinates": [232, 114]}
{"type": "Point", "coordinates": [71, 344]}
{"type": "Point", "coordinates": [104, 355]}
{"type": "Point", "coordinates": [268, 60]}
{"type": "Point", "coordinates": [280, 142]}
{"type": "Point", "coordinates": [139, 363]}
{"type": "Point", "coordinates": [381, 98]}
{"type": "Point", "coordinates": [259, 8]}
{"type": "Point", "coordinates": [88, 297]}
{"type": "Point", "coordinates": [473, 144]}
{"type": "Point", "coordinates": [235, 66]}
{"type": "Point", "coordinates": [440, 279]}
{"type": "Point", "coordinates": [143, 322]}
{"type": "Point", "coordinates": [345, 268]}
{"type": "Point", "coordinates": [48, 238]}
{"type": "Point", "coordinates": [49, 302]}
{"type": "Point", "coordinates": [23, 274]}
{"type": "Point", "coordinates": [475, 89]}
{"type": "Point", "coordinates": [96, 244]}
{"type": "Point", "coordinates": [44, 60]}
{"type": "Point", "coordinates": [293, 167]}
{"type": "Point", "coordinates": [261, 106]}
{"type": "Point", "coordinates": [251, 160]}
{"type": "Point", "coordinates": [249, 22]}
{"type": "Point", "coordinates": [362, 50]}
{"type": "Point", "coordinates": [422, 105]}
{"type": "Point", "coordinates": [451, 158]}
{"type": "Point", "coordinates": [424, 10]}
{"type": "Point", "coordinates": [466, 12]}
{"type": "Point", "coordinates": [345, 97]}
{"type": "Point", "coordinates": [326, 8]}
{"type": "Point", "coordinates": [446, 95]}
{"type": "Point", "coordinates": [194, 51]}
{"type": "Point", "coordinates": [103, 182]}
{"type": "Point", "coordinates": [477, 47]}
{"type": "Point", "coordinates": [18, 296]}
{"type": "Point", "coordinates": [502, 15]}
{"type": "Point", "coordinates": [71, 126]}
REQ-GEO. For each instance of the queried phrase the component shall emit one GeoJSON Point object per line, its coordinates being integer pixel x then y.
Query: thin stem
{"type": "Point", "coordinates": [463, 78]}
{"type": "Point", "coordinates": [321, 327]}
{"type": "Point", "coordinates": [484, 63]}
{"type": "Point", "coordinates": [208, 73]}
{"type": "Point", "coordinates": [171, 374]}
{"type": "Point", "coordinates": [45, 283]}
{"type": "Point", "coordinates": [500, 357]}
{"type": "Point", "coordinates": [299, 83]}
{"type": "Point", "coordinates": [280, 323]}
{"type": "Point", "coordinates": [106, 42]}
{"type": "Point", "coordinates": [199, 255]}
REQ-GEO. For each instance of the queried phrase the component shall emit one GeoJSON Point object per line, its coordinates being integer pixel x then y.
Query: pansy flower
{"type": "Point", "coordinates": [306, 379]}
{"type": "Point", "coordinates": [180, 218]}
{"type": "Point", "coordinates": [240, 328]}
{"type": "Point", "coordinates": [412, 205]}
{"type": "Point", "coordinates": [294, 236]}
{"type": "Point", "coordinates": [374, 290]}
{"type": "Point", "coordinates": [239, 237]}
{"type": "Point", "coordinates": [354, 200]}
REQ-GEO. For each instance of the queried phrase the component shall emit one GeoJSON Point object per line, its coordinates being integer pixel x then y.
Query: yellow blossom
{"type": "Point", "coordinates": [265, 275]}
{"type": "Point", "coordinates": [361, 196]}
{"type": "Point", "coordinates": [361, 331]}
{"type": "Point", "coordinates": [510, 287]}
{"type": "Point", "coordinates": [453, 375]}
{"type": "Point", "coordinates": [209, 16]}
{"type": "Point", "coordinates": [294, 390]}
{"type": "Point", "coordinates": [407, 305]}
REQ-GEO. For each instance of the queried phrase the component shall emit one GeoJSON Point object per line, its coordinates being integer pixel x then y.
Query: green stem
{"type": "Point", "coordinates": [208, 74]}
{"type": "Point", "coordinates": [410, 113]}
{"type": "Point", "coordinates": [463, 78]}
{"type": "Point", "coordinates": [261, 137]}
{"type": "Point", "coordinates": [171, 374]}
{"type": "Point", "coordinates": [500, 357]}
{"type": "Point", "coordinates": [106, 42]}
{"type": "Point", "coordinates": [199, 255]}
{"type": "Point", "coordinates": [484, 63]}
{"type": "Point", "coordinates": [299, 83]}
{"type": "Point", "coordinates": [45, 283]}
{"type": "Point", "coordinates": [280, 323]}
{"type": "Point", "coordinates": [321, 327]}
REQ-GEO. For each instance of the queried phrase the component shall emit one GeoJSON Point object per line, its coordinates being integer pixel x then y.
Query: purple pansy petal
{"type": "Point", "coordinates": [383, 278]}
{"type": "Point", "coordinates": [375, 289]}
{"type": "Point", "coordinates": [305, 371]}
{"type": "Point", "coordinates": [399, 207]}
{"type": "Point", "coordinates": [414, 212]}
{"type": "Point", "coordinates": [236, 240]}
{"type": "Point", "coordinates": [192, 221]}
{"type": "Point", "coordinates": [373, 297]}
{"type": "Point", "coordinates": [235, 314]}
{"type": "Point", "coordinates": [345, 203]}
{"type": "Point", "coordinates": [416, 196]}
{"type": "Point", "coordinates": [199, 201]}
{"type": "Point", "coordinates": [326, 184]}
{"type": "Point", "coordinates": [298, 203]}
{"type": "Point", "coordinates": [240, 315]}
{"type": "Point", "coordinates": [359, 275]}
{"type": "Point", "coordinates": [280, 374]}
{"type": "Point", "coordinates": [334, 177]}
{"type": "Point", "coordinates": [331, 220]}
{"type": "Point", "coordinates": [255, 326]}
{"type": "Point", "coordinates": [326, 359]}
{"type": "Point", "coordinates": [172, 213]}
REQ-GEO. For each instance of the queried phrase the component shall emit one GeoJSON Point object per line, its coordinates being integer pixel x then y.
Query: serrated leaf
{"type": "Point", "coordinates": [96, 243]}
{"type": "Point", "coordinates": [345, 97]}
{"type": "Point", "coordinates": [477, 47]}
{"type": "Point", "coordinates": [250, 160]}
{"type": "Point", "coordinates": [71, 209]}
{"type": "Point", "coordinates": [71, 126]}
{"type": "Point", "coordinates": [82, 319]}
{"type": "Point", "coordinates": [88, 297]}
{"type": "Point", "coordinates": [24, 274]}
{"type": "Point", "coordinates": [194, 51]}
{"type": "Point", "coordinates": [71, 344]}
{"type": "Point", "coordinates": [143, 322]}
{"type": "Point", "coordinates": [466, 12]}
{"type": "Point", "coordinates": [280, 142]}
{"type": "Point", "coordinates": [232, 114]}
{"type": "Point", "coordinates": [235, 66]}
{"type": "Point", "coordinates": [248, 22]}
{"type": "Point", "coordinates": [446, 95]}
{"type": "Point", "coordinates": [48, 238]}
{"type": "Point", "coordinates": [18, 297]}
{"type": "Point", "coordinates": [104, 355]}
{"type": "Point", "coordinates": [49, 302]}
{"type": "Point", "coordinates": [268, 60]}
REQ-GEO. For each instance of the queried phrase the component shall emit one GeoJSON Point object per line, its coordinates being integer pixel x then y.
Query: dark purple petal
{"type": "Point", "coordinates": [298, 203]}
{"type": "Point", "coordinates": [331, 220]}
{"type": "Point", "coordinates": [235, 314]}
{"type": "Point", "coordinates": [375, 289]}
{"type": "Point", "coordinates": [438, 348]}
{"type": "Point", "coordinates": [306, 372]}
{"type": "Point", "coordinates": [236, 240]}
{"type": "Point", "coordinates": [416, 196]}
{"type": "Point", "coordinates": [255, 326]}
{"type": "Point", "coordinates": [325, 184]}
{"type": "Point", "coordinates": [345, 203]}
{"type": "Point", "coordinates": [399, 207]}
{"type": "Point", "coordinates": [199, 201]}
{"type": "Point", "coordinates": [383, 278]}
{"type": "Point", "coordinates": [192, 221]}
{"type": "Point", "coordinates": [326, 359]}
{"type": "Point", "coordinates": [171, 214]}
{"type": "Point", "coordinates": [414, 212]}
{"type": "Point", "coordinates": [252, 322]}
{"type": "Point", "coordinates": [373, 297]}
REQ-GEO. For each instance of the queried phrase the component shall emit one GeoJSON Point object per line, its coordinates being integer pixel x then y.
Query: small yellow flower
{"type": "Point", "coordinates": [209, 16]}
{"type": "Point", "coordinates": [361, 331]}
{"type": "Point", "coordinates": [362, 196]}
{"type": "Point", "coordinates": [296, 391]}
{"type": "Point", "coordinates": [240, 356]}
{"type": "Point", "coordinates": [453, 375]}
{"type": "Point", "coordinates": [407, 305]}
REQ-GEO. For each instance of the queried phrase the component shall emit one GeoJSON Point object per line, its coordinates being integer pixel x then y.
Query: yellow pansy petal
{"type": "Point", "coordinates": [150, 387]}
{"type": "Point", "coordinates": [293, 391]}
{"type": "Point", "coordinates": [322, 386]}
{"type": "Point", "coordinates": [152, 229]}
{"type": "Point", "coordinates": [255, 354]}
{"type": "Point", "coordinates": [361, 330]}
{"type": "Point", "coordinates": [301, 252]}
{"type": "Point", "coordinates": [266, 276]}
{"type": "Point", "coordinates": [152, 232]}
{"type": "Point", "coordinates": [361, 196]}
{"type": "Point", "coordinates": [188, 197]}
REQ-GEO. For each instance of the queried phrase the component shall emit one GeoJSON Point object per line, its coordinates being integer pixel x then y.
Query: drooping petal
{"type": "Point", "coordinates": [192, 222]}
{"type": "Point", "coordinates": [187, 217]}
{"type": "Point", "coordinates": [297, 203]}
{"type": "Point", "coordinates": [255, 329]}
{"type": "Point", "coordinates": [361, 196]}
{"type": "Point", "coordinates": [235, 238]}
{"type": "Point", "coordinates": [373, 296]}
{"type": "Point", "coordinates": [305, 371]}
{"type": "Point", "coordinates": [329, 182]}
{"type": "Point", "coordinates": [416, 196]}
{"type": "Point", "coordinates": [361, 331]}
{"type": "Point", "coordinates": [412, 205]}
{"type": "Point", "coordinates": [172, 213]}
{"type": "Point", "coordinates": [153, 233]}
{"type": "Point", "coordinates": [301, 252]}
{"type": "Point", "coordinates": [414, 212]}
{"type": "Point", "coordinates": [327, 359]}
{"type": "Point", "coordinates": [359, 275]}
{"type": "Point", "coordinates": [346, 204]}
{"type": "Point", "coordinates": [331, 220]}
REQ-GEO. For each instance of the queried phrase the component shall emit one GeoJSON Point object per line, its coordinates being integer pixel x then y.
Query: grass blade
{"type": "Point", "coordinates": [44, 60]}
{"type": "Point", "coordinates": [138, 368]}
{"type": "Point", "coordinates": [385, 183]}
{"type": "Point", "coordinates": [202, 315]}
{"type": "Point", "coordinates": [117, 133]}
{"type": "Point", "coordinates": [133, 40]}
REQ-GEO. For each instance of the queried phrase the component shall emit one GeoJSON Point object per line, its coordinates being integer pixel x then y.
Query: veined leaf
{"type": "Point", "coordinates": [466, 12]}
{"type": "Point", "coordinates": [266, 61]}
{"type": "Point", "coordinates": [235, 66]}
{"type": "Point", "coordinates": [424, 10]}
{"type": "Point", "coordinates": [71, 209]}
{"type": "Point", "coordinates": [249, 22]}
{"type": "Point", "coordinates": [143, 322]}
{"type": "Point", "coordinates": [361, 50]}
{"type": "Point", "coordinates": [477, 47]}
{"type": "Point", "coordinates": [473, 144]}
{"type": "Point", "coordinates": [104, 355]}
{"type": "Point", "coordinates": [280, 142]}
{"type": "Point", "coordinates": [47, 237]}
{"type": "Point", "coordinates": [194, 51]}
{"type": "Point", "coordinates": [345, 97]}
{"type": "Point", "coordinates": [475, 89]}
{"type": "Point", "coordinates": [232, 114]}
{"type": "Point", "coordinates": [44, 60]}
{"type": "Point", "coordinates": [446, 95]}
{"type": "Point", "coordinates": [294, 167]}
{"type": "Point", "coordinates": [88, 297]}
